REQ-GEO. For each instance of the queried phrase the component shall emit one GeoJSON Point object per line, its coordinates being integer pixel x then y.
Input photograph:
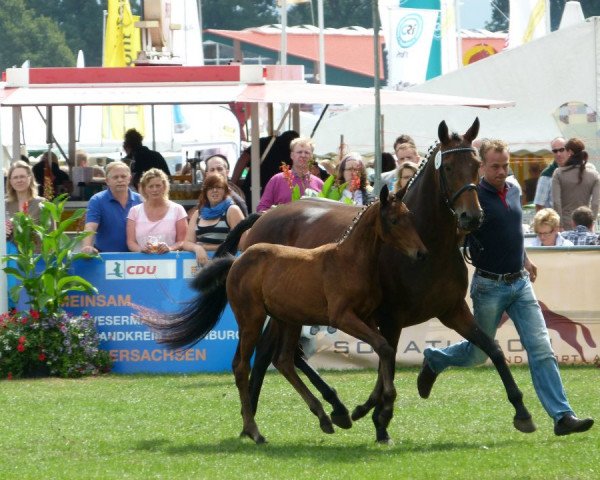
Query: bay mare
{"type": "Point", "coordinates": [334, 284]}
{"type": "Point", "coordinates": [443, 199]}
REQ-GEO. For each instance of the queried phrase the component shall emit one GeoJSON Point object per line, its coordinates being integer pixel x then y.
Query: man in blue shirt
{"type": "Point", "coordinates": [502, 283]}
{"type": "Point", "coordinates": [107, 212]}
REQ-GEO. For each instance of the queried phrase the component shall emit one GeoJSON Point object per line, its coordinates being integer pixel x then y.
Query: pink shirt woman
{"type": "Point", "coordinates": [158, 225]}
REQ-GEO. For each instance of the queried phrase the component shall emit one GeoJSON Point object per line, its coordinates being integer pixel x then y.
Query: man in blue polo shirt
{"type": "Point", "coordinates": [107, 212]}
{"type": "Point", "coordinates": [502, 282]}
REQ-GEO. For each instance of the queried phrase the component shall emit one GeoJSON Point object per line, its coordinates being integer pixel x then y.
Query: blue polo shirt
{"type": "Point", "coordinates": [497, 246]}
{"type": "Point", "coordinates": [105, 210]}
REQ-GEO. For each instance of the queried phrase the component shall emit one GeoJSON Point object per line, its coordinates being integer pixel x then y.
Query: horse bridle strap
{"type": "Point", "coordinates": [444, 184]}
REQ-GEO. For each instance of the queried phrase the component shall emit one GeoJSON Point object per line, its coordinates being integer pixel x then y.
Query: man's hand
{"type": "Point", "coordinates": [531, 268]}
{"type": "Point", "coordinates": [89, 249]}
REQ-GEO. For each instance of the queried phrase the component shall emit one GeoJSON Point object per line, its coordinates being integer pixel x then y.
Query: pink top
{"type": "Point", "coordinates": [278, 191]}
{"type": "Point", "coordinates": [163, 230]}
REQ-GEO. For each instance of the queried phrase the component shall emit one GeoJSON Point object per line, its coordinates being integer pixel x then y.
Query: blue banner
{"type": "Point", "coordinates": [159, 283]}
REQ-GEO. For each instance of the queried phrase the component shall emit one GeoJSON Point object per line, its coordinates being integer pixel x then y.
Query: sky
{"type": "Point", "coordinates": [474, 13]}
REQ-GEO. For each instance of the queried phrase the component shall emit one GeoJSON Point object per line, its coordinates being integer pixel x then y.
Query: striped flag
{"type": "Point", "coordinates": [121, 45]}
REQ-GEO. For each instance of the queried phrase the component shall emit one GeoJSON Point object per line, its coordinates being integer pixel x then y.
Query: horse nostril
{"type": "Point", "coordinates": [421, 255]}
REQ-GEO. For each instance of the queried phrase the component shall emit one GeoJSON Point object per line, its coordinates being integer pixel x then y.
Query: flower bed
{"type": "Point", "coordinates": [61, 345]}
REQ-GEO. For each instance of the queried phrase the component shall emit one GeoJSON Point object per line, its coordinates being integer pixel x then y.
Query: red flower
{"type": "Point", "coordinates": [287, 173]}
{"type": "Point", "coordinates": [21, 347]}
{"type": "Point", "coordinates": [24, 320]}
{"type": "Point", "coordinates": [22, 339]}
{"type": "Point", "coordinates": [355, 182]}
{"type": "Point", "coordinates": [26, 207]}
{"type": "Point", "coordinates": [34, 314]}
{"type": "Point", "coordinates": [41, 357]}
{"type": "Point", "coordinates": [9, 376]}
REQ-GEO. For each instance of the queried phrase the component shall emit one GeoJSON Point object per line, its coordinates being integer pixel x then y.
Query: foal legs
{"type": "Point", "coordinates": [250, 319]}
{"type": "Point", "coordinates": [284, 362]}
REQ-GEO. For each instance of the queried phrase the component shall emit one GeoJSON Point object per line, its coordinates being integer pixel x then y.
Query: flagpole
{"type": "Point", "coordinates": [283, 55]}
{"type": "Point", "coordinates": [322, 79]}
{"type": "Point", "coordinates": [377, 86]}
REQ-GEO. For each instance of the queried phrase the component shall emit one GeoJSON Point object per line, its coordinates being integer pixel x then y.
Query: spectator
{"type": "Point", "coordinates": [406, 171]}
{"type": "Point", "coordinates": [141, 157]}
{"type": "Point", "coordinates": [158, 225]}
{"type": "Point", "coordinates": [51, 180]}
{"type": "Point", "coordinates": [219, 164]}
{"type": "Point", "coordinates": [543, 191]}
{"type": "Point", "coordinates": [21, 194]}
{"type": "Point", "coordinates": [583, 227]}
{"type": "Point", "coordinates": [270, 165]}
{"type": "Point", "coordinates": [546, 224]}
{"type": "Point", "coordinates": [501, 283]}
{"type": "Point", "coordinates": [107, 212]}
{"type": "Point", "coordinates": [216, 215]}
{"type": "Point", "coordinates": [405, 152]}
{"type": "Point", "coordinates": [352, 172]}
{"type": "Point", "coordinates": [531, 182]}
{"type": "Point", "coordinates": [575, 184]}
{"type": "Point", "coordinates": [82, 160]}
{"type": "Point", "coordinates": [402, 139]}
{"type": "Point", "coordinates": [388, 169]}
{"type": "Point", "coordinates": [279, 189]}
{"type": "Point", "coordinates": [318, 171]}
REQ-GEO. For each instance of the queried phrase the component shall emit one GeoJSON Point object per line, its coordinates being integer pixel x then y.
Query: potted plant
{"type": "Point", "coordinates": [44, 339]}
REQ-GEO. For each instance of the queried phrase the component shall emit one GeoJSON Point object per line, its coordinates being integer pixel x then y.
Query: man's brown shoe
{"type": "Point", "coordinates": [569, 423]}
{"type": "Point", "coordinates": [425, 380]}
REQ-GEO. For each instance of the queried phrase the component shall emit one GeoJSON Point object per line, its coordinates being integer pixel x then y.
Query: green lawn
{"type": "Point", "coordinates": [187, 426]}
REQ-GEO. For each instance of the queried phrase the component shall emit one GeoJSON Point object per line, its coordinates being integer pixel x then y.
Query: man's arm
{"type": "Point", "coordinates": [543, 193]}
{"type": "Point", "coordinates": [88, 242]}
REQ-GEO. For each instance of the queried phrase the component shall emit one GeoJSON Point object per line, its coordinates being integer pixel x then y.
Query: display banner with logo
{"type": "Point", "coordinates": [566, 288]}
{"type": "Point", "coordinates": [157, 282]}
{"type": "Point", "coordinates": [412, 37]}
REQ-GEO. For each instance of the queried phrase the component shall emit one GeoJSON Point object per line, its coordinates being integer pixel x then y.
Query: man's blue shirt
{"type": "Point", "coordinates": [105, 210]}
{"type": "Point", "coordinates": [500, 237]}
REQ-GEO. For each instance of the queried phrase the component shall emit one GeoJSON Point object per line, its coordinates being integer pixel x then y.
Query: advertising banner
{"type": "Point", "coordinates": [566, 289]}
{"type": "Point", "coordinates": [159, 283]}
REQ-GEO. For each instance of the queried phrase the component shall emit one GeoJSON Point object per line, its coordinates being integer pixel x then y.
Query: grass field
{"type": "Point", "coordinates": [186, 426]}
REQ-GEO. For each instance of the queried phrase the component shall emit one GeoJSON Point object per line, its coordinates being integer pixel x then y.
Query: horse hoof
{"type": "Point", "coordinates": [524, 425]}
{"type": "Point", "coordinates": [384, 439]}
{"type": "Point", "coordinates": [257, 437]}
{"type": "Point", "coordinates": [342, 420]}
{"type": "Point", "coordinates": [327, 427]}
{"type": "Point", "coordinates": [359, 412]}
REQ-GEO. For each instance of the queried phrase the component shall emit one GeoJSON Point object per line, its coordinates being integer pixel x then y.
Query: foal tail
{"type": "Point", "coordinates": [230, 245]}
{"type": "Point", "coordinates": [191, 324]}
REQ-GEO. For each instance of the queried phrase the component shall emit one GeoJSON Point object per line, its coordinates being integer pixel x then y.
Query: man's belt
{"type": "Point", "coordinates": [501, 277]}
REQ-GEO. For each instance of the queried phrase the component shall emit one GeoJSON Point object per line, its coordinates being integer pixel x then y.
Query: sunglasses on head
{"type": "Point", "coordinates": [557, 150]}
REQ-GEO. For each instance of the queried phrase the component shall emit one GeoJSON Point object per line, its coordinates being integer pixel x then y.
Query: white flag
{"type": "Point", "coordinates": [528, 21]}
{"type": "Point", "coordinates": [408, 36]}
{"type": "Point", "coordinates": [187, 42]}
{"type": "Point", "coordinates": [449, 36]}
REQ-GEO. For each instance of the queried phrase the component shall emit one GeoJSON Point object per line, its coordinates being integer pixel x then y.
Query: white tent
{"type": "Point", "coordinates": [554, 81]}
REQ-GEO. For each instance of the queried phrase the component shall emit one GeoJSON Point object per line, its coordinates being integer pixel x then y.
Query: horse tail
{"type": "Point", "coordinates": [191, 324]}
{"type": "Point", "coordinates": [230, 245]}
{"type": "Point", "coordinates": [587, 335]}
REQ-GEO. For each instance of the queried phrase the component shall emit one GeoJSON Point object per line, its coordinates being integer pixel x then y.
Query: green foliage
{"type": "Point", "coordinates": [29, 36]}
{"type": "Point", "coordinates": [238, 14]}
{"type": "Point", "coordinates": [336, 13]}
{"type": "Point", "coordinates": [58, 345]}
{"type": "Point", "coordinates": [45, 257]}
{"type": "Point", "coordinates": [332, 191]}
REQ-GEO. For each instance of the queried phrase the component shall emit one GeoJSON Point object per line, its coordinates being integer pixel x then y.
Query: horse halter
{"type": "Point", "coordinates": [444, 182]}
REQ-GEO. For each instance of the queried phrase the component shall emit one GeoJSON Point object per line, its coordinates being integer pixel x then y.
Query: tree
{"type": "Point", "coordinates": [337, 13]}
{"type": "Point", "coordinates": [80, 21]}
{"type": "Point", "coordinates": [238, 14]}
{"type": "Point", "coordinates": [27, 36]}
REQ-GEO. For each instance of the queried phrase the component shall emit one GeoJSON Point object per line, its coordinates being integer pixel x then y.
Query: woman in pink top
{"type": "Point", "coordinates": [158, 225]}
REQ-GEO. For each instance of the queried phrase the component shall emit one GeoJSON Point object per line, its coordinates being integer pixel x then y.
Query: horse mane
{"type": "Point", "coordinates": [432, 150]}
{"type": "Point", "coordinates": [355, 220]}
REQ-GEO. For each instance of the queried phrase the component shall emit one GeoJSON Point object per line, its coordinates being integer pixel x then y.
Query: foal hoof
{"type": "Point", "coordinates": [524, 425]}
{"type": "Point", "coordinates": [327, 427]}
{"type": "Point", "coordinates": [359, 412]}
{"type": "Point", "coordinates": [258, 438]}
{"type": "Point", "coordinates": [342, 420]}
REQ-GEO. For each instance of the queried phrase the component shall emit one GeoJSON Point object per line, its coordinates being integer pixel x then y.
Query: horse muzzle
{"type": "Point", "coordinates": [469, 222]}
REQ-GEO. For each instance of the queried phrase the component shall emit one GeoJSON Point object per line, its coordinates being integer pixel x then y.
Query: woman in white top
{"type": "Point", "coordinates": [158, 225]}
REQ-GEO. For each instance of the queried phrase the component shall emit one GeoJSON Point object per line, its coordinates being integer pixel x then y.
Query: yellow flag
{"type": "Point", "coordinates": [121, 45]}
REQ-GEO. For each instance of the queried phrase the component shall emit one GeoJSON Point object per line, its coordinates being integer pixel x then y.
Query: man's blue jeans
{"type": "Point", "coordinates": [491, 299]}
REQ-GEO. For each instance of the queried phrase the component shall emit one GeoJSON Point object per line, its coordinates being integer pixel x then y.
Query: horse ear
{"type": "Point", "coordinates": [384, 195]}
{"type": "Point", "coordinates": [443, 133]}
{"type": "Point", "coordinates": [473, 131]}
{"type": "Point", "coordinates": [400, 193]}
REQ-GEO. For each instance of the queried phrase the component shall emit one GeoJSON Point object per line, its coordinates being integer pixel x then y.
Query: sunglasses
{"type": "Point", "coordinates": [557, 150]}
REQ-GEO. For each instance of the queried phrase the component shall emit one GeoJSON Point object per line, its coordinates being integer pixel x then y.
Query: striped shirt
{"type": "Point", "coordinates": [581, 236]}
